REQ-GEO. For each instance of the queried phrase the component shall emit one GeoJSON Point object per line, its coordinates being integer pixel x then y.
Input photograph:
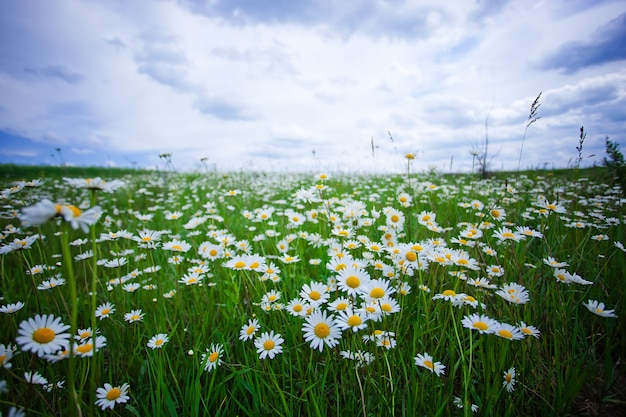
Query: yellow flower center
{"type": "Point", "coordinates": [114, 394]}
{"type": "Point", "coordinates": [268, 345]}
{"type": "Point", "coordinates": [2, 358]}
{"type": "Point", "coordinates": [213, 356]}
{"type": "Point", "coordinates": [105, 312]}
{"type": "Point", "coordinates": [449, 293]}
{"type": "Point", "coordinates": [411, 256]}
{"type": "Point", "coordinates": [353, 282]}
{"type": "Point", "coordinates": [321, 330]}
{"type": "Point", "coordinates": [505, 333]}
{"type": "Point", "coordinates": [44, 335]}
{"type": "Point", "coordinates": [297, 308]}
{"type": "Point", "coordinates": [462, 261]}
{"type": "Point", "coordinates": [239, 264]}
{"type": "Point", "coordinates": [254, 265]}
{"type": "Point", "coordinates": [315, 295]}
{"type": "Point", "coordinates": [370, 309]}
{"type": "Point", "coordinates": [386, 307]}
{"type": "Point", "coordinates": [271, 298]}
{"type": "Point", "coordinates": [177, 247]}
{"type": "Point", "coordinates": [84, 348]}
{"type": "Point", "coordinates": [480, 325]}
{"type": "Point", "coordinates": [377, 292]}
{"type": "Point", "coordinates": [341, 306]}
{"type": "Point", "coordinates": [192, 280]}
{"type": "Point", "coordinates": [395, 218]}
{"type": "Point", "coordinates": [354, 320]}
{"type": "Point", "coordinates": [508, 235]}
{"type": "Point", "coordinates": [429, 364]}
{"type": "Point", "coordinates": [213, 252]}
{"type": "Point", "coordinates": [159, 342]}
{"type": "Point", "coordinates": [134, 317]}
{"type": "Point", "coordinates": [508, 377]}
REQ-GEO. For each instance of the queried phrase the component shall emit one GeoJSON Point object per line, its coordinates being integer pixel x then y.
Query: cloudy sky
{"type": "Point", "coordinates": [310, 84]}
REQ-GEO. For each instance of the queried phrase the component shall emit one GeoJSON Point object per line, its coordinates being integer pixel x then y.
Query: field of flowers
{"type": "Point", "coordinates": [170, 294]}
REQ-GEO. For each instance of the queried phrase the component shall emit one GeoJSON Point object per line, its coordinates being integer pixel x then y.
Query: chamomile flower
{"type": "Point", "coordinates": [528, 330]}
{"type": "Point", "coordinates": [480, 322]}
{"type": "Point", "coordinates": [315, 293]}
{"type": "Point", "coordinates": [514, 293]}
{"type": "Point", "coordinates": [321, 330]}
{"type": "Point", "coordinates": [108, 395]}
{"type": "Point", "coordinates": [509, 380]}
{"type": "Point", "coordinates": [426, 361]}
{"type": "Point", "coordinates": [212, 358]}
{"type": "Point", "coordinates": [347, 319]}
{"type": "Point", "coordinates": [87, 348]}
{"type": "Point", "coordinates": [158, 341]}
{"type": "Point", "coordinates": [508, 331]}
{"type": "Point", "coordinates": [351, 280]}
{"type": "Point", "coordinates": [134, 316]}
{"type": "Point", "coordinates": [298, 307]}
{"type": "Point", "coordinates": [248, 331]}
{"type": "Point", "coordinates": [598, 308]}
{"type": "Point", "coordinates": [6, 353]}
{"type": "Point", "coordinates": [376, 289]}
{"type": "Point", "coordinates": [268, 345]}
{"type": "Point", "coordinates": [11, 308]}
{"type": "Point", "coordinates": [191, 278]}
{"type": "Point", "coordinates": [105, 310]}
{"type": "Point", "coordinates": [43, 335]}
{"type": "Point", "coordinates": [50, 283]}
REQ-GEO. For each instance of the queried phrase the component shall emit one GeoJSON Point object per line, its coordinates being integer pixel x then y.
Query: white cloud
{"type": "Point", "coordinates": [267, 90]}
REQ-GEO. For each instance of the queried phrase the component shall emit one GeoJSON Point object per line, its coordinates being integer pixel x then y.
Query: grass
{"type": "Point", "coordinates": [305, 226]}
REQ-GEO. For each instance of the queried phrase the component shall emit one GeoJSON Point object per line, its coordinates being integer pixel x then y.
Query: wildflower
{"type": "Point", "coordinates": [212, 358]}
{"type": "Point", "coordinates": [508, 331]}
{"type": "Point", "coordinates": [316, 293]}
{"type": "Point", "coordinates": [320, 330]}
{"type": "Point", "coordinates": [268, 345]}
{"type": "Point", "coordinates": [105, 310]}
{"type": "Point", "coordinates": [509, 380]}
{"type": "Point", "coordinates": [114, 263]}
{"type": "Point", "coordinates": [361, 357]}
{"type": "Point", "coordinates": [95, 184]}
{"type": "Point", "coordinates": [86, 348]}
{"type": "Point", "coordinates": [176, 246]}
{"type": "Point", "coordinates": [528, 330]}
{"type": "Point", "coordinates": [503, 234]}
{"type": "Point", "coordinates": [134, 316]}
{"type": "Point", "coordinates": [11, 308]}
{"type": "Point", "coordinates": [598, 308]}
{"type": "Point", "coordinates": [347, 319]}
{"type": "Point", "coordinates": [51, 283]}
{"type": "Point", "coordinates": [377, 288]}
{"type": "Point", "coordinates": [514, 293]}
{"type": "Point", "coordinates": [388, 306]}
{"type": "Point", "coordinates": [550, 261]}
{"type": "Point", "coordinates": [109, 395]}
{"type": "Point", "coordinates": [191, 278]}
{"type": "Point", "coordinates": [426, 361]}
{"type": "Point", "coordinates": [448, 295]}
{"type": "Point", "coordinates": [271, 296]}
{"type": "Point", "coordinates": [497, 213]}
{"type": "Point", "coordinates": [147, 237]}
{"type": "Point", "coordinates": [249, 330]}
{"type": "Point", "coordinates": [298, 307]}
{"type": "Point", "coordinates": [482, 323]}
{"type": "Point", "coordinates": [43, 335]}
{"type": "Point", "coordinates": [6, 353]}
{"type": "Point", "coordinates": [158, 341]}
{"type": "Point", "coordinates": [386, 340]}
{"type": "Point", "coordinates": [351, 280]}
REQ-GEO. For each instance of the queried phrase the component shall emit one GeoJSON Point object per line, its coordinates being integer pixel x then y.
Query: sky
{"type": "Point", "coordinates": [311, 85]}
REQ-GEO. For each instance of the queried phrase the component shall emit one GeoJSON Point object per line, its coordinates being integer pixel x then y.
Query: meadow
{"type": "Point", "coordinates": [138, 293]}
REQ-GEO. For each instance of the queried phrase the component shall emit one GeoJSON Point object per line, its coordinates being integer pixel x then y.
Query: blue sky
{"type": "Point", "coordinates": [308, 85]}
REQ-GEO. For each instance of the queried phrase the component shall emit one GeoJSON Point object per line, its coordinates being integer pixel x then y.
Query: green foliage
{"type": "Point", "coordinates": [615, 163]}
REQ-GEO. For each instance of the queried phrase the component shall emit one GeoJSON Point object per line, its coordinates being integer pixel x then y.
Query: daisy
{"type": "Point", "coordinates": [348, 319]}
{"type": "Point", "coordinates": [212, 358]}
{"type": "Point", "coordinates": [509, 380]}
{"type": "Point", "coordinates": [176, 246]}
{"type": "Point", "coordinates": [508, 331]}
{"type": "Point", "coordinates": [377, 288]}
{"type": "Point", "coordinates": [86, 349]}
{"type": "Point", "coordinates": [109, 395]}
{"type": "Point", "coordinates": [388, 306]}
{"type": "Point", "coordinates": [95, 184]}
{"type": "Point", "coordinates": [134, 316]}
{"type": "Point", "coordinates": [11, 308]}
{"type": "Point", "coordinates": [482, 323]}
{"type": "Point", "coordinates": [298, 307]}
{"type": "Point", "coordinates": [51, 283]}
{"type": "Point", "coordinates": [35, 378]}
{"type": "Point", "coordinates": [598, 308]}
{"type": "Point", "coordinates": [268, 345]}
{"type": "Point", "coordinates": [550, 261]}
{"type": "Point", "coordinates": [6, 353]}
{"type": "Point", "coordinates": [316, 293]}
{"type": "Point", "coordinates": [211, 251]}
{"type": "Point", "coordinates": [503, 234]}
{"type": "Point", "coordinates": [158, 341]}
{"type": "Point", "coordinates": [514, 293]}
{"type": "Point", "coordinates": [271, 296]}
{"type": "Point", "coordinates": [43, 335]}
{"type": "Point", "coordinates": [248, 331]}
{"type": "Point", "coordinates": [351, 280]}
{"type": "Point", "coordinates": [320, 330]}
{"type": "Point", "coordinates": [426, 361]}
{"type": "Point", "coordinates": [105, 310]}
{"type": "Point", "coordinates": [191, 279]}
{"type": "Point", "coordinates": [528, 330]}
